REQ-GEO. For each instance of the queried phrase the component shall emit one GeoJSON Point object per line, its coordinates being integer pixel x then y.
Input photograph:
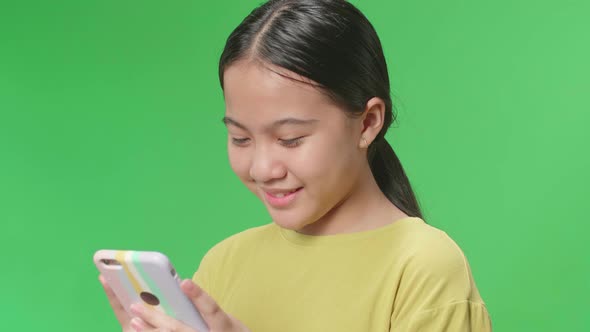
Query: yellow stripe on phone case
{"type": "Point", "coordinates": [149, 277]}
{"type": "Point", "coordinates": [146, 280]}
{"type": "Point", "coordinates": [127, 262]}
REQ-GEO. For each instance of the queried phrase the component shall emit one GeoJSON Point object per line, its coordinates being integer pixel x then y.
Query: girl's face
{"type": "Point", "coordinates": [290, 144]}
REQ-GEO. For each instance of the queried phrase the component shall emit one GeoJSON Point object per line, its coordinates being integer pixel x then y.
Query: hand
{"type": "Point", "coordinates": [146, 320]}
{"type": "Point", "coordinates": [122, 315]}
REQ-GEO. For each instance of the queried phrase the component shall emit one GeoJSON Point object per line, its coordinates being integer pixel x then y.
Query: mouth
{"type": "Point", "coordinates": [281, 199]}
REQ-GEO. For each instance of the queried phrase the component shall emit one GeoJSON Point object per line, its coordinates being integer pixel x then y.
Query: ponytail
{"type": "Point", "coordinates": [391, 178]}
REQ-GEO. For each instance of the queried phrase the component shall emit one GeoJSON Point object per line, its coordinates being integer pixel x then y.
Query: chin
{"type": "Point", "coordinates": [288, 224]}
{"type": "Point", "coordinates": [287, 221]}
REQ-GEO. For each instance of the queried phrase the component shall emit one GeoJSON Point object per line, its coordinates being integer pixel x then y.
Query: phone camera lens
{"type": "Point", "coordinates": [110, 262]}
{"type": "Point", "coordinates": [149, 298]}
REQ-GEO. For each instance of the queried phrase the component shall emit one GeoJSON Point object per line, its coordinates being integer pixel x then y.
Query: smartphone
{"type": "Point", "coordinates": [149, 277]}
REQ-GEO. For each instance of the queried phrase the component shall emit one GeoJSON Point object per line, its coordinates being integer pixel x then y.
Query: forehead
{"type": "Point", "coordinates": [266, 93]}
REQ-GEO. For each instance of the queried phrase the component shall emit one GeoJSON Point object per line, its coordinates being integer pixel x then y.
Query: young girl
{"type": "Point", "coordinates": [307, 107]}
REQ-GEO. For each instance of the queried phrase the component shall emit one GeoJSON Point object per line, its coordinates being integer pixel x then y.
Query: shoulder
{"type": "Point", "coordinates": [237, 244]}
{"type": "Point", "coordinates": [435, 282]}
{"type": "Point", "coordinates": [242, 240]}
{"type": "Point", "coordinates": [434, 267]}
{"type": "Point", "coordinates": [429, 248]}
{"type": "Point", "coordinates": [227, 253]}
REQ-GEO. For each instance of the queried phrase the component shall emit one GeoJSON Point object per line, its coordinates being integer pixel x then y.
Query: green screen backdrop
{"type": "Point", "coordinates": [110, 137]}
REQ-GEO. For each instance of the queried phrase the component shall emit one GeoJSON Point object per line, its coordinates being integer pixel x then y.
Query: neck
{"type": "Point", "coordinates": [364, 208]}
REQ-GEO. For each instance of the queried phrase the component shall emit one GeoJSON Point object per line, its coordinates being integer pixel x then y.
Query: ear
{"type": "Point", "coordinates": [371, 121]}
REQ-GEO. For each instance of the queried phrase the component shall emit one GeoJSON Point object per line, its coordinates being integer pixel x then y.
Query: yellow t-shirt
{"type": "Point", "coordinates": [405, 276]}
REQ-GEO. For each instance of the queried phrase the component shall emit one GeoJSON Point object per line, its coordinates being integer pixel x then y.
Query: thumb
{"type": "Point", "coordinates": [212, 313]}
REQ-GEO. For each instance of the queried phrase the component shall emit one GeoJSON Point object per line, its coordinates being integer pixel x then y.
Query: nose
{"type": "Point", "coordinates": [265, 166]}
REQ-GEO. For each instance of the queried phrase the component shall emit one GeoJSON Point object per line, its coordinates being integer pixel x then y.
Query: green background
{"type": "Point", "coordinates": [110, 137]}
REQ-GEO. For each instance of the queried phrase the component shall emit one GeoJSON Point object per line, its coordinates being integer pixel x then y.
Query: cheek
{"type": "Point", "coordinates": [326, 160]}
{"type": "Point", "coordinates": [239, 163]}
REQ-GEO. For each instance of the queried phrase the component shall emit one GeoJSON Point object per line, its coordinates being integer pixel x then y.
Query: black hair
{"type": "Point", "coordinates": [333, 44]}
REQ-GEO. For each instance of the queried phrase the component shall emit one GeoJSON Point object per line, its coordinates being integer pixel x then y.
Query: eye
{"type": "Point", "coordinates": [239, 141]}
{"type": "Point", "coordinates": [291, 143]}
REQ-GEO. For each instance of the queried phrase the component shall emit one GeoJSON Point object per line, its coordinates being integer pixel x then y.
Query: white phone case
{"type": "Point", "coordinates": [149, 277]}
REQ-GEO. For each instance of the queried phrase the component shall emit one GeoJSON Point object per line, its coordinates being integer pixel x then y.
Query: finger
{"type": "Point", "coordinates": [156, 318]}
{"type": "Point", "coordinates": [212, 313]}
{"type": "Point", "coordinates": [139, 324]}
{"type": "Point", "coordinates": [120, 312]}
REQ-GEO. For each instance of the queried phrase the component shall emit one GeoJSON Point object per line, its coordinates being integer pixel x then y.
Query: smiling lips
{"type": "Point", "coordinates": [280, 198]}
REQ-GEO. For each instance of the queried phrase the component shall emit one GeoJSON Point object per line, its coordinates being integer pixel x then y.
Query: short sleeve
{"type": "Point", "coordinates": [437, 292]}
{"type": "Point", "coordinates": [465, 316]}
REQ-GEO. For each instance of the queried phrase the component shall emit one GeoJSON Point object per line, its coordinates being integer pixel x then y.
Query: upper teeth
{"type": "Point", "coordinates": [284, 194]}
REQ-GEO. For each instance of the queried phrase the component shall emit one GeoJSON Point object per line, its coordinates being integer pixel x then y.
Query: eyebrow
{"type": "Point", "coordinates": [286, 121]}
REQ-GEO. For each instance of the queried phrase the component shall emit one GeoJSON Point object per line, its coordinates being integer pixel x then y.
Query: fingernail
{"type": "Point", "coordinates": [136, 308]}
{"type": "Point", "coordinates": [135, 324]}
{"type": "Point", "coordinates": [190, 285]}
